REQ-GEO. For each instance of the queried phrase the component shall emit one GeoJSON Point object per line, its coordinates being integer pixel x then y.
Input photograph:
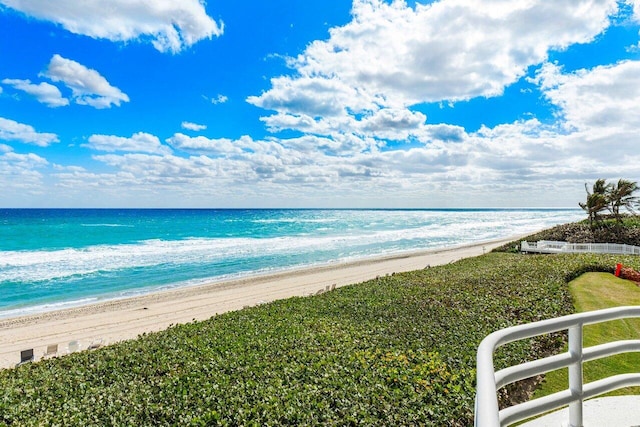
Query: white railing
{"type": "Point", "coordinates": [487, 413]}
{"type": "Point", "coordinates": [548, 246]}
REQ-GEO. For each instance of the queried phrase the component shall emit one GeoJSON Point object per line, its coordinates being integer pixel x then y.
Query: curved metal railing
{"type": "Point", "coordinates": [487, 413]}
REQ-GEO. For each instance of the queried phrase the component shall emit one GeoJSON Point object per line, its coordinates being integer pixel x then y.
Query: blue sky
{"type": "Point", "coordinates": [137, 103]}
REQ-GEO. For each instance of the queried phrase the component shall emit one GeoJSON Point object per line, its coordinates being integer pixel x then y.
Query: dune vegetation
{"type": "Point", "coordinates": [625, 230]}
{"type": "Point", "coordinates": [398, 350]}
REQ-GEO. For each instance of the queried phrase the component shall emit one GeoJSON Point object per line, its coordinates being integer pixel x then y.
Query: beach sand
{"type": "Point", "coordinates": [118, 320]}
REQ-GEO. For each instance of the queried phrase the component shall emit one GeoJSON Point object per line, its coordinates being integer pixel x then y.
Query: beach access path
{"type": "Point", "coordinates": [118, 320]}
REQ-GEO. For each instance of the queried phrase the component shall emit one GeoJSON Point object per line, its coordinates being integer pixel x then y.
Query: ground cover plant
{"type": "Point", "coordinates": [398, 350]}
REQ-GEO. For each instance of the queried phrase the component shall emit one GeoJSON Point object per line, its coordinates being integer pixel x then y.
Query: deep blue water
{"type": "Point", "coordinates": [53, 258]}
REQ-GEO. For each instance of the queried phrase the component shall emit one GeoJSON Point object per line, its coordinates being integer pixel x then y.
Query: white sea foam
{"type": "Point", "coordinates": [418, 233]}
{"type": "Point", "coordinates": [294, 221]}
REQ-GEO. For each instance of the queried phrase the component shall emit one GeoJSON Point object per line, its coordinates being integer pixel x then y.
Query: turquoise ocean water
{"type": "Point", "coordinates": [56, 258]}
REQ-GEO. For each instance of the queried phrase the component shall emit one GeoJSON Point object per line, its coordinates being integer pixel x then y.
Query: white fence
{"type": "Point", "coordinates": [551, 247]}
{"type": "Point", "coordinates": [487, 413]}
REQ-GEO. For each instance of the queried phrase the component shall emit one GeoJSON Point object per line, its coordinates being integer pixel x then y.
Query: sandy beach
{"type": "Point", "coordinates": [118, 320]}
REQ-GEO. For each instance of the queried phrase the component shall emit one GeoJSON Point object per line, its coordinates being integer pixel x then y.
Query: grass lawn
{"type": "Point", "coordinates": [594, 291]}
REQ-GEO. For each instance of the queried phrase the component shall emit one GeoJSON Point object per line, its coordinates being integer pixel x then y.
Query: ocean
{"type": "Point", "coordinates": [58, 258]}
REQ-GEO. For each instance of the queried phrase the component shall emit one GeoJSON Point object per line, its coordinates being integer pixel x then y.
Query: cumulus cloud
{"type": "Point", "coordinates": [25, 160]}
{"type": "Point", "coordinates": [394, 56]}
{"type": "Point", "coordinates": [353, 98]}
{"type": "Point", "coordinates": [597, 109]}
{"type": "Point", "coordinates": [193, 126]}
{"type": "Point", "coordinates": [88, 87]}
{"type": "Point", "coordinates": [393, 123]}
{"type": "Point", "coordinates": [145, 170]}
{"type": "Point", "coordinates": [311, 95]}
{"type": "Point", "coordinates": [169, 25]}
{"type": "Point", "coordinates": [44, 92]}
{"type": "Point", "coordinates": [603, 97]}
{"type": "Point", "coordinates": [20, 170]}
{"type": "Point", "coordinates": [10, 130]}
{"type": "Point", "coordinates": [594, 135]}
{"type": "Point", "coordinates": [139, 142]}
{"type": "Point", "coordinates": [507, 164]}
{"type": "Point", "coordinates": [444, 132]}
{"type": "Point", "coordinates": [221, 146]}
{"type": "Point", "coordinates": [22, 178]}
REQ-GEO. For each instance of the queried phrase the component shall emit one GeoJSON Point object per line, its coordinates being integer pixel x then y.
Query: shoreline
{"type": "Point", "coordinates": [122, 319]}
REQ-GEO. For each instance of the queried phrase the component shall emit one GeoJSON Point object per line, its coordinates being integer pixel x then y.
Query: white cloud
{"type": "Point", "coordinates": [602, 99]}
{"type": "Point", "coordinates": [20, 175]}
{"type": "Point", "coordinates": [344, 145]}
{"type": "Point", "coordinates": [365, 143]}
{"type": "Point", "coordinates": [169, 25]}
{"type": "Point", "coordinates": [521, 163]}
{"type": "Point", "coordinates": [523, 160]}
{"type": "Point", "coordinates": [393, 123]}
{"type": "Point", "coordinates": [597, 112]}
{"type": "Point", "coordinates": [144, 170]}
{"type": "Point", "coordinates": [44, 92]}
{"type": "Point", "coordinates": [10, 130]}
{"type": "Point", "coordinates": [595, 135]}
{"type": "Point", "coordinates": [193, 126]}
{"type": "Point", "coordinates": [139, 142]}
{"type": "Point", "coordinates": [635, 5]}
{"type": "Point", "coordinates": [444, 132]}
{"type": "Point", "coordinates": [220, 99]}
{"type": "Point", "coordinates": [26, 160]}
{"type": "Point", "coordinates": [88, 86]}
{"type": "Point", "coordinates": [393, 56]}
{"type": "Point", "coordinates": [221, 146]}
{"type": "Point", "coordinates": [313, 96]}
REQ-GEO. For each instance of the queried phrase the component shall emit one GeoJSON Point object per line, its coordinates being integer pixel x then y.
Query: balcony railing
{"type": "Point", "coordinates": [487, 413]}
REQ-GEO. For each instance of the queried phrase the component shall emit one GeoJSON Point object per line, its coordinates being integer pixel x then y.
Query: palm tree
{"type": "Point", "coordinates": [597, 200]}
{"type": "Point", "coordinates": [599, 187]}
{"type": "Point", "coordinates": [596, 203]}
{"type": "Point", "coordinates": [621, 195]}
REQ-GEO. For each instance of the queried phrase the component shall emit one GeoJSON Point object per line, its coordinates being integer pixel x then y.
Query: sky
{"type": "Point", "coordinates": [298, 103]}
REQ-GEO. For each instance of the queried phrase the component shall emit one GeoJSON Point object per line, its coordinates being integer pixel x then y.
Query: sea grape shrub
{"type": "Point", "coordinates": [581, 232]}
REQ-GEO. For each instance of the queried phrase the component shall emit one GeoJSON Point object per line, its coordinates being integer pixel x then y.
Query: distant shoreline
{"type": "Point", "coordinates": [122, 319]}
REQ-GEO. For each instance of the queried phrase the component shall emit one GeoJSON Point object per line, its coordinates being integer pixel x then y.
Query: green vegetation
{"type": "Point", "coordinates": [398, 350]}
{"type": "Point", "coordinates": [626, 230]}
{"type": "Point", "coordinates": [609, 197]}
{"type": "Point", "coordinates": [595, 291]}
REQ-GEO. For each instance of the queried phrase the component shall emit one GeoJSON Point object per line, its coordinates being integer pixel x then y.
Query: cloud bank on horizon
{"type": "Point", "coordinates": [386, 104]}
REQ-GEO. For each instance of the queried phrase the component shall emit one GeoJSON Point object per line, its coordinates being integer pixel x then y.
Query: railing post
{"type": "Point", "coordinates": [575, 375]}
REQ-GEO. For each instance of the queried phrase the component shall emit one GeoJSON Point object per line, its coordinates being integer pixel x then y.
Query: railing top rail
{"type": "Point", "coordinates": [487, 411]}
{"type": "Point", "coordinates": [528, 330]}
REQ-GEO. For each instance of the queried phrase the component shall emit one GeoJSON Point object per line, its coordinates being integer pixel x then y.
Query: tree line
{"type": "Point", "coordinates": [609, 197]}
